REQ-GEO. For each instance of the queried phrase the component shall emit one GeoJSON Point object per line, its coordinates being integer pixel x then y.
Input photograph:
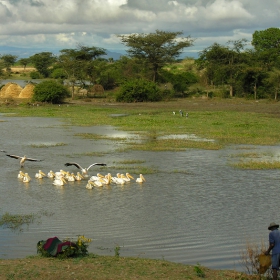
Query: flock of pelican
{"type": "Point", "coordinates": [61, 177]}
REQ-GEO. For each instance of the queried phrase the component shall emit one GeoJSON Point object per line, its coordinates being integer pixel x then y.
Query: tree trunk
{"type": "Point", "coordinates": [231, 91]}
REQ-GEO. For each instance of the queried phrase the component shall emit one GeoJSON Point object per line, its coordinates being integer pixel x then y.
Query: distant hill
{"type": "Point", "coordinates": [27, 52]}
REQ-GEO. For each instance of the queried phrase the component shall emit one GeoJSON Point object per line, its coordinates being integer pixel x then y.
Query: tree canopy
{"type": "Point", "coordinates": [156, 48]}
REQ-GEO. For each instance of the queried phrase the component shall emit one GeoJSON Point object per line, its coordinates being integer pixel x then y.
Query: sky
{"type": "Point", "coordinates": [53, 25]}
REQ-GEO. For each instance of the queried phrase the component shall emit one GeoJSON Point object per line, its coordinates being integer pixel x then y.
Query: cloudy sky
{"type": "Point", "coordinates": [51, 25]}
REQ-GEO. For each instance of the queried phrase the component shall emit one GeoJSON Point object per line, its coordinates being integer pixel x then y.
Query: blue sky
{"type": "Point", "coordinates": [49, 25]}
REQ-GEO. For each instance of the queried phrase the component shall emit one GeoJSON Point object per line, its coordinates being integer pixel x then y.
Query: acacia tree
{"type": "Point", "coordinates": [78, 64]}
{"type": "Point", "coordinates": [42, 61]}
{"type": "Point", "coordinates": [157, 48]}
{"type": "Point", "coordinates": [8, 60]}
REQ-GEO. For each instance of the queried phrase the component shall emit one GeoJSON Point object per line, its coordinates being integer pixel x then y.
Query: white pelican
{"type": "Point", "coordinates": [97, 177]}
{"type": "Point", "coordinates": [59, 181]}
{"type": "Point", "coordinates": [40, 175]}
{"type": "Point", "coordinates": [79, 176]}
{"type": "Point", "coordinates": [26, 178]}
{"type": "Point", "coordinates": [20, 175]}
{"type": "Point", "coordinates": [141, 179]}
{"type": "Point", "coordinates": [118, 180]}
{"type": "Point", "coordinates": [84, 170]}
{"type": "Point", "coordinates": [60, 173]}
{"type": "Point", "coordinates": [23, 159]}
{"type": "Point", "coordinates": [90, 185]}
{"type": "Point", "coordinates": [51, 174]}
{"type": "Point", "coordinates": [127, 177]}
{"type": "Point", "coordinates": [71, 177]}
{"type": "Point", "coordinates": [107, 179]}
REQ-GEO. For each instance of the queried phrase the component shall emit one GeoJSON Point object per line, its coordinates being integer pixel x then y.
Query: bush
{"type": "Point", "coordinates": [50, 91]}
{"type": "Point", "coordinates": [35, 75]}
{"type": "Point", "coordinates": [138, 90]}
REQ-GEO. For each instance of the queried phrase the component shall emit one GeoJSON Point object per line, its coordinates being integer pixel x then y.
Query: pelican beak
{"type": "Point", "coordinates": [128, 175]}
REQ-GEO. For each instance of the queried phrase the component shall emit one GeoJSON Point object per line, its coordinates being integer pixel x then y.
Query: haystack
{"type": "Point", "coordinates": [27, 92]}
{"type": "Point", "coordinates": [10, 90]}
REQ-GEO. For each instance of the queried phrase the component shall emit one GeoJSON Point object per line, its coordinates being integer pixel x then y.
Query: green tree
{"type": "Point", "coordinates": [80, 64]}
{"type": "Point", "coordinates": [42, 62]}
{"type": "Point", "coordinates": [50, 91]}
{"type": "Point", "coordinates": [266, 43]}
{"type": "Point", "coordinates": [8, 61]}
{"type": "Point", "coordinates": [24, 62]}
{"type": "Point", "coordinates": [156, 49]}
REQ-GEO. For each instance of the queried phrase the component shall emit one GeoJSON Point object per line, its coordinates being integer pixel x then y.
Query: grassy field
{"type": "Point", "coordinates": [226, 122]}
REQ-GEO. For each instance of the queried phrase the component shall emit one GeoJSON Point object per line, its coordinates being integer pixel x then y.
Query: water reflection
{"type": "Point", "coordinates": [195, 209]}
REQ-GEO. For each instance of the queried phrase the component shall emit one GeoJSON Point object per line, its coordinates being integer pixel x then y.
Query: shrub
{"type": "Point", "coordinates": [50, 91]}
{"type": "Point", "coordinates": [138, 90]}
{"type": "Point", "coordinates": [35, 75]}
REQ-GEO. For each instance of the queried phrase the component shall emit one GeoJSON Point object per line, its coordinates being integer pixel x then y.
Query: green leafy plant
{"type": "Point", "coordinates": [198, 270]}
{"type": "Point", "coordinates": [117, 251]}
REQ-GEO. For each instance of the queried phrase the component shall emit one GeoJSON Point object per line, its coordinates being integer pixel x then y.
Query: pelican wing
{"type": "Point", "coordinates": [13, 156]}
{"type": "Point", "coordinates": [73, 163]}
{"type": "Point", "coordinates": [100, 164]}
{"type": "Point", "coordinates": [33, 159]}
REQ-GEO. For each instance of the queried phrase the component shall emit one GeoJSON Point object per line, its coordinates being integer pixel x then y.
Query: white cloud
{"type": "Point", "coordinates": [65, 23]}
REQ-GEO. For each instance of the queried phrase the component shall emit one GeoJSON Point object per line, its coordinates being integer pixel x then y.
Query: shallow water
{"type": "Point", "coordinates": [195, 209]}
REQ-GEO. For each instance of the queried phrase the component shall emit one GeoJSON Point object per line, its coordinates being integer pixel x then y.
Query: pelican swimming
{"type": "Point", "coordinates": [89, 185]}
{"type": "Point", "coordinates": [26, 178]}
{"type": "Point", "coordinates": [127, 177]}
{"type": "Point", "coordinates": [20, 175]}
{"type": "Point", "coordinates": [71, 177]}
{"type": "Point", "coordinates": [118, 180]}
{"type": "Point", "coordinates": [84, 170]}
{"type": "Point", "coordinates": [40, 174]}
{"type": "Point", "coordinates": [141, 179]}
{"type": "Point", "coordinates": [60, 181]}
{"type": "Point", "coordinates": [51, 174]}
{"type": "Point", "coordinates": [23, 159]}
{"type": "Point", "coordinates": [79, 176]}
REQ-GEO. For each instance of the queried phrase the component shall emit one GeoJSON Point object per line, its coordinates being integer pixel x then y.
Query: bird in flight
{"type": "Point", "coordinates": [84, 170]}
{"type": "Point", "coordinates": [23, 159]}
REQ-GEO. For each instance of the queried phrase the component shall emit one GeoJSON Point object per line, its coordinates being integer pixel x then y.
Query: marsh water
{"type": "Point", "coordinates": [195, 207]}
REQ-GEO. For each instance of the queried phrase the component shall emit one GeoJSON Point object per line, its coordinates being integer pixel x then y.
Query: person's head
{"type": "Point", "coordinates": [273, 226]}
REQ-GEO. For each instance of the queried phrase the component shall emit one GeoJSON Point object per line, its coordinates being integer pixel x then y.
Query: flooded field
{"type": "Point", "coordinates": [193, 208]}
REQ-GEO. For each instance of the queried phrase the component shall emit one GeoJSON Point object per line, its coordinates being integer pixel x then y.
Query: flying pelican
{"type": "Point", "coordinates": [84, 170]}
{"type": "Point", "coordinates": [23, 159]}
{"type": "Point", "coordinates": [141, 179]}
{"type": "Point", "coordinates": [26, 178]}
{"type": "Point", "coordinates": [40, 175]}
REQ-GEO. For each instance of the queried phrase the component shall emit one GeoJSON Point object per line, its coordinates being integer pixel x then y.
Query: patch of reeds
{"type": "Point", "coordinates": [253, 164]}
{"type": "Point", "coordinates": [48, 145]}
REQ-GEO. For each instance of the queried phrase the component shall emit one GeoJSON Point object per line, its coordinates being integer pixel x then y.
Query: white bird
{"type": "Point", "coordinates": [26, 178]}
{"type": "Point", "coordinates": [127, 177]}
{"type": "Point", "coordinates": [40, 174]}
{"type": "Point", "coordinates": [20, 175]}
{"type": "Point", "coordinates": [96, 177]}
{"type": "Point", "coordinates": [89, 185]}
{"type": "Point", "coordinates": [51, 174]}
{"type": "Point", "coordinates": [59, 181]}
{"type": "Point", "coordinates": [71, 177]}
{"type": "Point", "coordinates": [23, 159]}
{"type": "Point", "coordinates": [84, 170]}
{"type": "Point", "coordinates": [141, 179]}
{"type": "Point", "coordinates": [118, 180]}
{"type": "Point", "coordinates": [79, 176]}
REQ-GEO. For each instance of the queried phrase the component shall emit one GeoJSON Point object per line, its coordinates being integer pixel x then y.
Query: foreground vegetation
{"type": "Point", "coordinates": [105, 267]}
